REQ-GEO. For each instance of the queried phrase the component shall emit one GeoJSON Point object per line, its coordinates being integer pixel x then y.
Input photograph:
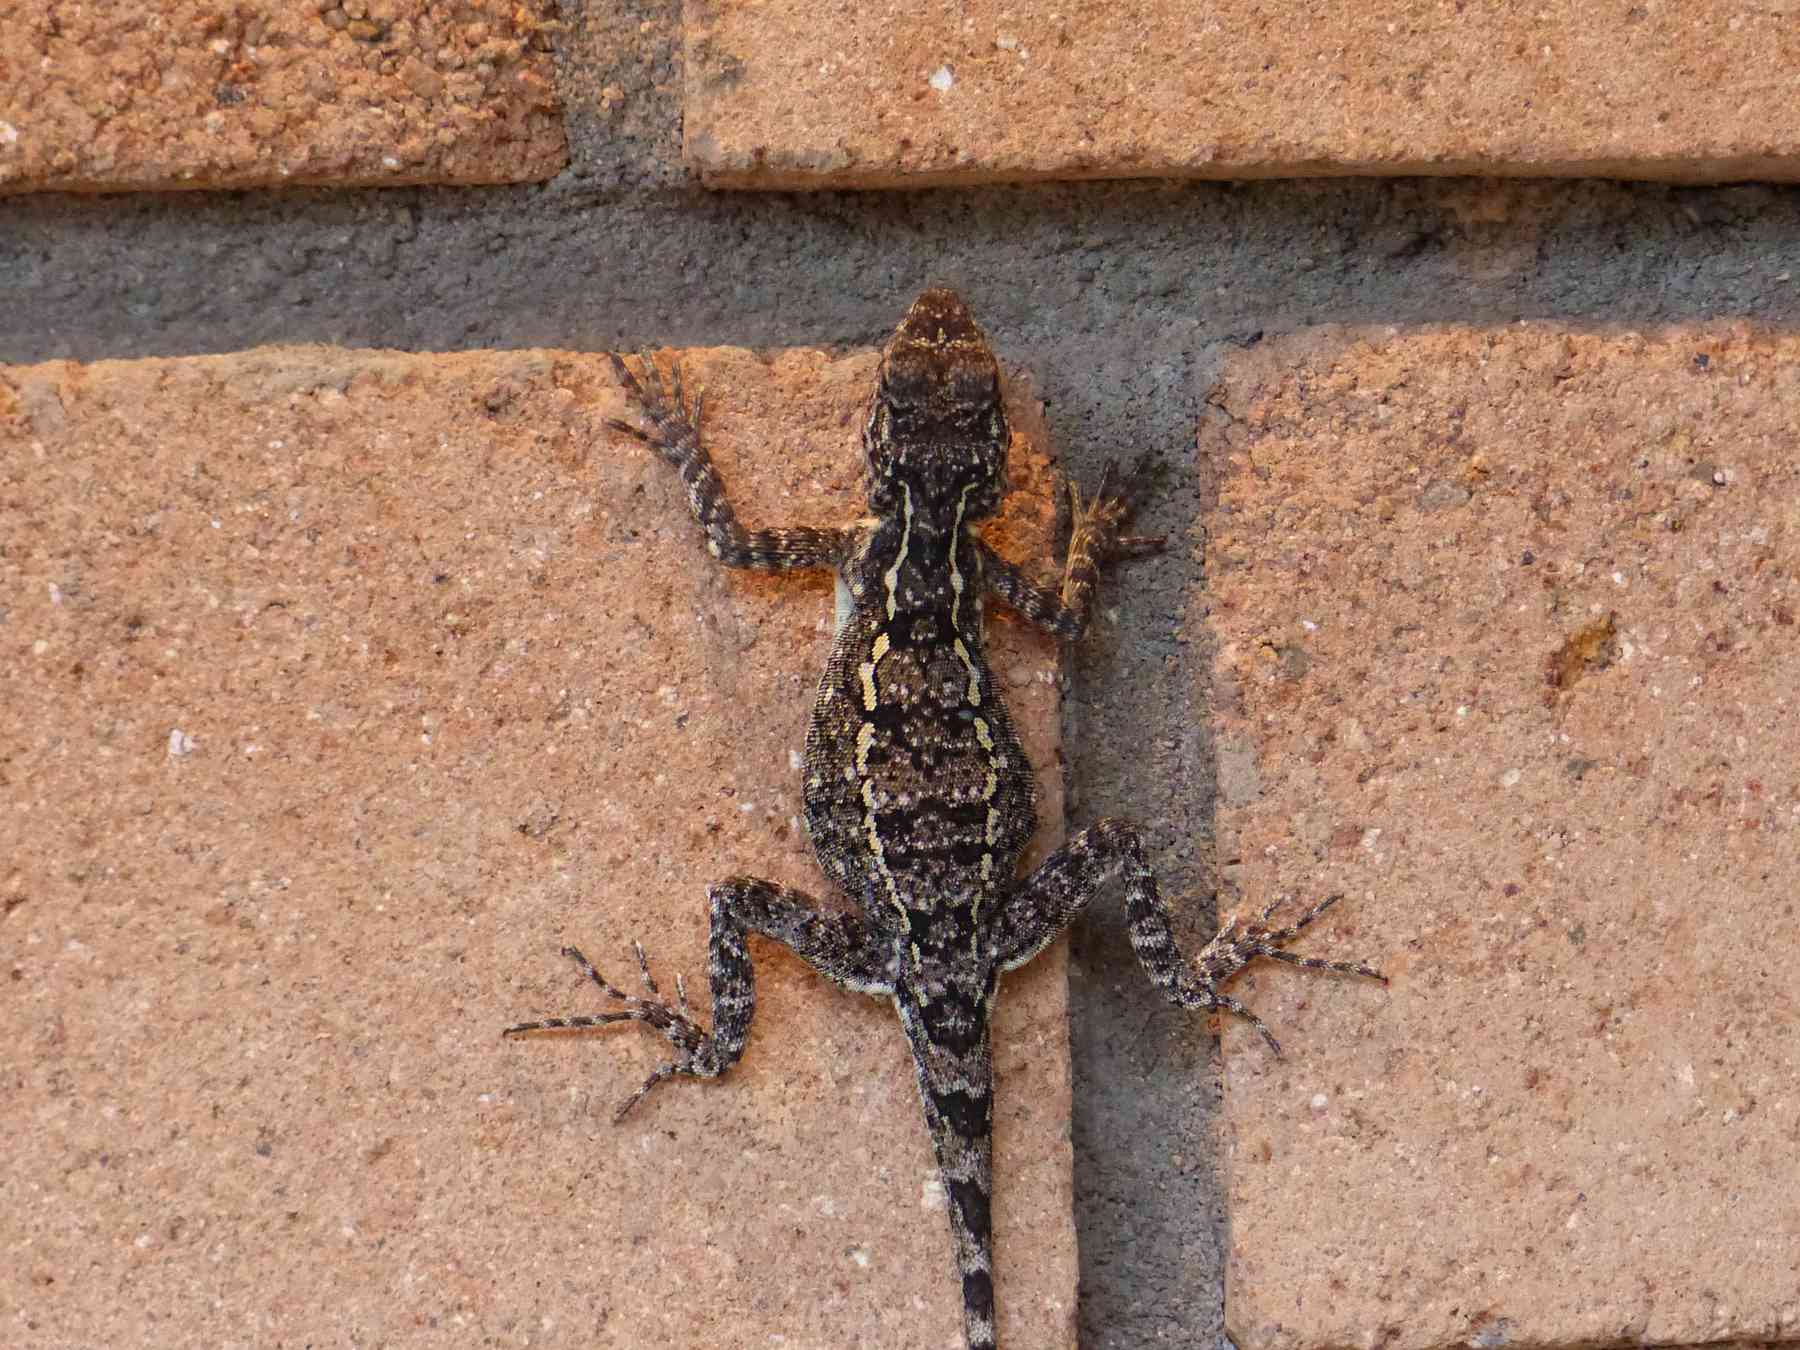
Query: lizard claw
{"type": "Point", "coordinates": [663, 398]}
{"type": "Point", "coordinates": [1097, 518]}
{"type": "Point", "coordinates": [695, 1051]}
{"type": "Point", "coordinates": [1239, 942]}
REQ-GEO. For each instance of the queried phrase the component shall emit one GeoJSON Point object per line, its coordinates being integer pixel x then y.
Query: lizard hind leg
{"type": "Point", "coordinates": [844, 948]}
{"type": "Point", "coordinates": [1044, 903]}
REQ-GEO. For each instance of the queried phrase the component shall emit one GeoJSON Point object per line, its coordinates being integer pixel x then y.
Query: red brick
{"type": "Point", "coordinates": [266, 93]}
{"type": "Point", "coordinates": [820, 93]}
{"type": "Point", "coordinates": [1505, 653]}
{"type": "Point", "coordinates": [344, 688]}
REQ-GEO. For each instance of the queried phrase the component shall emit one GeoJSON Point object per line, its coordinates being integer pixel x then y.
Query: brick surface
{"type": "Point", "coordinates": [265, 93]}
{"type": "Point", "coordinates": [826, 92]}
{"type": "Point", "coordinates": [343, 688]}
{"type": "Point", "coordinates": [1504, 636]}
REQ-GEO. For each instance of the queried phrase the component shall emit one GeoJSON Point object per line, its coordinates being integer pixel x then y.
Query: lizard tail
{"type": "Point", "coordinates": [956, 1084]}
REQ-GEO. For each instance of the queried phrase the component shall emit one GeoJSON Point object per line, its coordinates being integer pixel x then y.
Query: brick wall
{"type": "Point", "coordinates": [347, 684]}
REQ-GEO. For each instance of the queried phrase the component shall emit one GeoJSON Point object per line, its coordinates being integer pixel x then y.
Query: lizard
{"type": "Point", "coordinates": [918, 798]}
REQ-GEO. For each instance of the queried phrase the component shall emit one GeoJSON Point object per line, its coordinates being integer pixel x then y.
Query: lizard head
{"type": "Point", "coordinates": [936, 427]}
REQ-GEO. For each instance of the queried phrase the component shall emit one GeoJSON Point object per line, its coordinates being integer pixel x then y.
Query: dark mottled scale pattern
{"type": "Point", "coordinates": [918, 796]}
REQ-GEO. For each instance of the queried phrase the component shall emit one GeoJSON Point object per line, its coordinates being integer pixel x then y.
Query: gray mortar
{"type": "Point", "coordinates": [1124, 299]}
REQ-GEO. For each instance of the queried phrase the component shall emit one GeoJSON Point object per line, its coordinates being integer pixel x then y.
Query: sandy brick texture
{"type": "Point", "coordinates": [128, 94]}
{"type": "Point", "coordinates": [827, 93]}
{"type": "Point", "coordinates": [1503, 627]}
{"type": "Point", "coordinates": [343, 688]}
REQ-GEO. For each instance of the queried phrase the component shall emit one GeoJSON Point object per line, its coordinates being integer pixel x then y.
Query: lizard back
{"type": "Point", "coordinates": [918, 796]}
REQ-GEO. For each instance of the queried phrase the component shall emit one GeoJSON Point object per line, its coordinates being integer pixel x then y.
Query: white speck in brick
{"type": "Point", "coordinates": [9, 135]}
{"type": "Point", "coordinates": [389, 162]}
{"type": "Point", "coordinates": [860, 1255]}
{"type": "Point", "coordinates": [1309, 625]}
{"type": "Point", "coordinates": [1510, 778]}
{"type": "Point", "coordinates": [1495, 1333]}
{"type": "Point", "coordinates": [794, 760]}
{"type": "Point", "coordinates": [1618, 578]}
{"type": "Point", "coordinates": [56, 595]}
{"type": "Point", "coordinates": [1463, 711]}
{"type": "Point", "coordinates": [215, 524]}
{"type": "Point", "coordinates": [931, 1194]}
{"type": "Point", "coordinates": [180, 743]}
{"type": "Point", "coordinates": [1370, 838]}
{"type": "Point", "coordinates": [1006, 42]}
{"type": "Point", "coordinates": [1320, 1101]}
{"type": "Point", "coordinates": [941, 79]}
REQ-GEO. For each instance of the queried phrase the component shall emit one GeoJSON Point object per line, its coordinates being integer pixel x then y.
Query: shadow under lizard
{"type": "Point", "coordinates": [918, 797]}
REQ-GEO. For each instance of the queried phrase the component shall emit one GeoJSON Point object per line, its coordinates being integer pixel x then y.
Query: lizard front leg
{"type": "Point", "coordinates": [674, 434]}
{"type": "Point", "coordinates": [1094, 539]}
{"type": "Point", "coordinates": [1044, 903]}
{"type": "Point", "coordinates": [842, 947]}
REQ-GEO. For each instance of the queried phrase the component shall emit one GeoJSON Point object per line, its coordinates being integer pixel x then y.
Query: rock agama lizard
{"type": "Point", "coordinates": [918, 798]}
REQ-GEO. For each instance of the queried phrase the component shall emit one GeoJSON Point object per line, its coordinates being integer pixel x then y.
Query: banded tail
{"type": "Point", "coordinates": [949, 1036]}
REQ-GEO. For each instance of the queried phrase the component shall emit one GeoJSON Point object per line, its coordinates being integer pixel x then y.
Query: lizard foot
{"type": "Point", "coordinates": [662, 396]}
{"type": "Point", "coordinates": [1096, 519]}
{"type": "Point", "coordinates": [1239, 942]}
{"type": "Point", "coordinates": [695, 1053]}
